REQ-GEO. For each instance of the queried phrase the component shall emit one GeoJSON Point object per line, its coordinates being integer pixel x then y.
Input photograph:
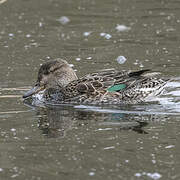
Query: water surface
{"type": "Point", "coordinates": [88, 142]}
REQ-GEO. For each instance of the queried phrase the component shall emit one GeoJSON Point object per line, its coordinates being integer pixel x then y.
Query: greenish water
{"type": "Point", "coordinates": [88, 142]}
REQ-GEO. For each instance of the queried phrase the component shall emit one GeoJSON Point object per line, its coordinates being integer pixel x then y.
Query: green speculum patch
{"type": "Point", "coordinates": [117, 87]}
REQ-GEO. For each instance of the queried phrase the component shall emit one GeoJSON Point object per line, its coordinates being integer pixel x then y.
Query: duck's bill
{"type": "Point", "coordinates": [33, 91]}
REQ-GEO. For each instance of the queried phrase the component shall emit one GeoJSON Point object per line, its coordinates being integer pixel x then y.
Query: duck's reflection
{"type": "Point", "coordinates": [53, 122]}
{"type": "Point", "coordinates": [56, 121]}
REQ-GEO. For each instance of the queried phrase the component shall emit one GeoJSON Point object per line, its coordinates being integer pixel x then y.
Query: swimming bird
{"type": "Point", "coordinates": [58, 83]}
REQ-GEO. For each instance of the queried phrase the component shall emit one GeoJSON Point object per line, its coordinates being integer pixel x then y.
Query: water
{"type": "Point", "coordinates": [88, 142]}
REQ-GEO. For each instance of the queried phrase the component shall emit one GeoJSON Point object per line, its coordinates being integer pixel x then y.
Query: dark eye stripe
{"type": "Point", "coordinates": [54, 70]}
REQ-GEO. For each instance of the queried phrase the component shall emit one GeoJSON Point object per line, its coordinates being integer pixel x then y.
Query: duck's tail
{"type": "Point", "coordinates": [138, 73]}
{"type": "Point", "coordinates": [171, 92]}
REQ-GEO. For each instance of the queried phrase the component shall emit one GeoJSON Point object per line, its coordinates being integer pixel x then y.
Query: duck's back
{"type": "Point", "coordinates": [112, 87]}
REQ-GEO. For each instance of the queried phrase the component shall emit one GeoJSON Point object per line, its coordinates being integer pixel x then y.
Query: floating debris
{"type": "Point", "coordinates": [121, 59]}
{"type": "Point", "coordinates": [122, 28]}
{"type": "Point", "coordinates": [63, 20]}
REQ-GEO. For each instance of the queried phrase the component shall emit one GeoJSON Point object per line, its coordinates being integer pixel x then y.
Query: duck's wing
{"type": "Point", "coordinates": [143, 81]}
{"type": "Point", "coordinates": [91, 83]}
{"type": "Point", "coordinates": [127, 79]}
{"type": "Point", "coordinates": [109, 80]}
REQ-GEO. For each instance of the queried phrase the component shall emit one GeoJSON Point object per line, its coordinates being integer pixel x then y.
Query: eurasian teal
{"type": "Point", "coordinates": [60, 84]}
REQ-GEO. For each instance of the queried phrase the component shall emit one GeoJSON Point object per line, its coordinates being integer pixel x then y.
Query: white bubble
{"type": "Point", "coordinates": [102, 34]}
{"type": "Point", "coordinates": [138, 174]}
{"type": "Point", "coordinates": [110, 147]}
{"type": "Point", "coordinates": [170, 146]}
{"type": "Point", "coordinates": [86, 33]}
{"type": "Point", "coordinates": [40, 24]}
{"type": "Point", "coordinates": [154, 176]}
{"type": "Point", "coordinates": [141, 65]}
{"type": "Point", "coordinates": [154, 161]}
{"type": "Point", "coordinates": [108, 36]}
{"type": "Point", "coordinates": [63, 20]}
{"type": "Point", "coordinates": [78, 59]}
{"type": "Point", "coordinates": [71, 65]}
{"type": "Point", "coordinates": [91, 173]}
{"type": "Point", "coordinates": [122, 28]}
{"type": "Point", "coordinates": [11, 34]}
{"type": "Point", "coordinates": [121, 59]}
{"type": "Point", "coordinates": [28, 35]}
{"type": "Point", "coordinates": [89, 58]}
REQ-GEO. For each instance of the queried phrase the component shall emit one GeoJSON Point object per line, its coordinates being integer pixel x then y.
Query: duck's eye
{"type": "Point", "coordinates": [37, 84]}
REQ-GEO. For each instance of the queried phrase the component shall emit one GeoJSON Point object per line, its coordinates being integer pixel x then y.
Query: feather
{"type": "Point", "coordinates": [116, 88]}
{"type": "Point", "coordinates": [138, 73]}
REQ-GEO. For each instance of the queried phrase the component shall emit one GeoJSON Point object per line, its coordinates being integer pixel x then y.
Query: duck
{"type": "Point", "coordinates": [58, 83]}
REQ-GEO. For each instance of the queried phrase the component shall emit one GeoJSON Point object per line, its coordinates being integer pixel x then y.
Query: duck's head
{"type": "Point", "coordinates": [52, 74]}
